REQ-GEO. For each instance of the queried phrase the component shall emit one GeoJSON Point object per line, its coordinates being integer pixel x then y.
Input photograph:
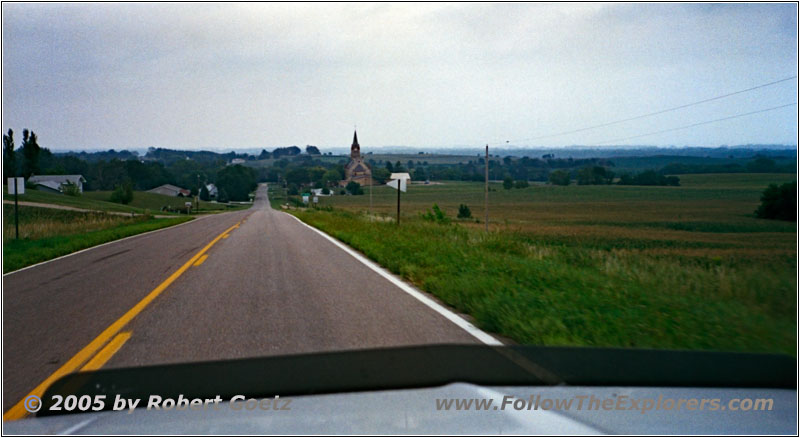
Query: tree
{"type": "Point", "coordinates": [312, 150]}
{"type": "Point", "coordinates": [779, 202]}
{"type": "Point", "coordinates": [559, 178]}
{"type": "Point", "coordinates": [508, 182]}
{"type": "Point", "coordinates": [331, 178]}
{"type": "Point", "coordinates": [237, 181]}
{"type": "Point", "coordinates": [464, 212]}
{"type": "Point", "coordinates": [762, 165]}
{"type": "Point", "coordinates": [222, 195]}
{"type": "Point", "coordinates": [9, 157]}
{"type": "Point", "coordinates": [389, 166]}
{"type": "Point", "coordinates": [298, 175]}
{"type": "Point", "coordinates": [30, 153]}
{"type": "Point", "coordinates": [419, 174]}
{"type": "Point", "coordinates": [204, 195]}
{"type": "Point", "coordinates": [381, 175]}
{"type": "Point", "coordinates": [123, 193]}
{"type": "Point", "coordinates": [593, 175]}
{"type": "Point", "coordinates": [354, 188]}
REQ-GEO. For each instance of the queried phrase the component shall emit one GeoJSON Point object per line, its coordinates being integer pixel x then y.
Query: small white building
{"type": "Point", "coordinates": [56, 182]}
{"type": "Point", "coordinates": [237, 161]}
{"type": "Point", "coordinates": [212, 190]}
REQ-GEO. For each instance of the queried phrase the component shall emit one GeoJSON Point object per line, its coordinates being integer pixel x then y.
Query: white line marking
{"type": "Point", "coordinates": [75, 427]}
{"type": "Point", "coordinates": [107, 243]}
{"type": "Point", "coordinates": [411, 290]}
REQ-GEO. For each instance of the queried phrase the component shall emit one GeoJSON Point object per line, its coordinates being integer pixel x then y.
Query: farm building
{"type": "Point", "coordinates": [170, 190]}
{"type": "Point", "coordinates": [55, 183]}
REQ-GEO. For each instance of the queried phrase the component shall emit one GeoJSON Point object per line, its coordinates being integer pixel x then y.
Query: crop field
{"type": "Point", "coordinates": [630, 266]}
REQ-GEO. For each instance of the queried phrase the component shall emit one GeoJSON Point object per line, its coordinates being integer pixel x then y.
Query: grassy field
{"type": "Point", "coordinates": [662, 267]}
{"type": "Point", "coordinates": [142, 201]}
{"type": "Point", "coordinates": [154, 202]}
{"type": "Point", "coordinates": [46, 233]}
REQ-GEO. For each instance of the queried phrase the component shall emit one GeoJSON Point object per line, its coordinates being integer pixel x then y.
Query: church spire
{"type": "Point", "coordinates": [355, 149]}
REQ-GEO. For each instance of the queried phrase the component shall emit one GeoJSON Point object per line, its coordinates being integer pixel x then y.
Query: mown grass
{"type": "Point", "coordinates": [47, 233]}
{"type": "Point", "coordinates": [687, 267]}
{"type": "Point", "coordinates": [154, 201]}
{"type": "Point", "coordinates": [143, 202]}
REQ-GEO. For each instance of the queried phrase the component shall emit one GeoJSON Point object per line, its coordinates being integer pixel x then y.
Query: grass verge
{"type": "Point", "coordinates": [49, 233]}
{"type": "Point", "coordinates": [551, 290]}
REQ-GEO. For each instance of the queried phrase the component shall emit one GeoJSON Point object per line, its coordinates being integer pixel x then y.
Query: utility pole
{"type": "Point", "coordinates": [398, 202]}
{"type": "Point", "coordinates": [486, 194]}
{"type": "Point", "coordinates": [16, 208]}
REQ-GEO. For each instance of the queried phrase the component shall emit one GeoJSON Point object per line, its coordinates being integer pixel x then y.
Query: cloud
{"type": "Point", "coordinates": [253, 75]}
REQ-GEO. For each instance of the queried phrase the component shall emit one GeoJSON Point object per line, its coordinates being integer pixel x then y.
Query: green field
{"type": "Point", "coordinates": [46, 233]}
{"type": "Point", "coordinates": [661, 267]}
{"type": "Point", "coordinates": [143, 202]}
{"type": "Point", "coordinates": [154, 202]}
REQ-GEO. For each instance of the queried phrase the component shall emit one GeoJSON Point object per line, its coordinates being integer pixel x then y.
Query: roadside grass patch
{"type": "Point", "coordinates": [47, 233]}
{"type": "Point", "coordinates": [556, 290]}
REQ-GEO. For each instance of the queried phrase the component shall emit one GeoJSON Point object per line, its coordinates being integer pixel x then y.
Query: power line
{"type": "Point", "coordinates": [700, 123]}
{"type": "Point", "coordinates": [602, 125]}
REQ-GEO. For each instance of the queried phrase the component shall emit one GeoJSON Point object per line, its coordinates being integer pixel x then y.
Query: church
{"type": "Point", "coordinates": [357, 170]}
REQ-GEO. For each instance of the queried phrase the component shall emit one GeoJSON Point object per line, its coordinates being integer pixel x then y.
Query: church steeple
{"type": "Point", "coordinates": [355, 149]}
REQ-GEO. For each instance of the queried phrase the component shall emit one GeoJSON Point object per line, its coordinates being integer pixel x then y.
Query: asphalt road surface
{"type": "Point", "coordinates": [267, 286]}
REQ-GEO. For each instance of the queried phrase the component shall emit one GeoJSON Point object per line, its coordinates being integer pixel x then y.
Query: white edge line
{"type": "Point", "coordinates": [104, 244]}
{"type": "Point", "coordinates": [411, 290]}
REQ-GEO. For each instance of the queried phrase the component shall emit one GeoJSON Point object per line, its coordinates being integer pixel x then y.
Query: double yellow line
{"type": "Point", "coordinates": [18, 410]}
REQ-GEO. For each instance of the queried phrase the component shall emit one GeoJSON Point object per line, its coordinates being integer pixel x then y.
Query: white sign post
{"type": "Point", "coordinates": [16, 187]}
{"type": "Point", "coordinates": [16, 184]}
{"type": "Point", "coordinates": [399, 182]}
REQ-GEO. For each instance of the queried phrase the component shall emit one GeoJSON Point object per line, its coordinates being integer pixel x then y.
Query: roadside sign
{"type": "Point", "coordinates": [395, 182]}
{"type": "Point", "coordinates": [14, 183]}
{"type": "Point", "coordinates": [305, 198]}
{"type": "Point", "coordinates": [316, 199]}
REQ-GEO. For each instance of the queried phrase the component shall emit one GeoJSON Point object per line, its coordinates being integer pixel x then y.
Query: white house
{"type": "Point", "coordinates": [56, 182]}
{"type": "Point", "coordinates": [212, 190]}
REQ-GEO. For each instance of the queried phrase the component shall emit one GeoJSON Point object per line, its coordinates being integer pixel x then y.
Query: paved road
{"type": "Point", "coordinates": [271, 286]}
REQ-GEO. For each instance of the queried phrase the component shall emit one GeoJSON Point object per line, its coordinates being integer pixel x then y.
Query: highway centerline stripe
{"type": "Point", "coordinates": [105, 354]}
{"type": "Point", "coordinates": [18, 410]}
{"type": "Point", "coordinates": [201, 260]}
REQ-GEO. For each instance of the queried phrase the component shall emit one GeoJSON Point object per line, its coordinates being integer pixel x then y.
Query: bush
{"type": "Point", "coordinates": [648, 178]}
{"type": "Point", "coordinates": [464, 212]}
{"type": "Point", "coordinates": [70, 189]}
{"type": "Point", "coordinates": [521, 184]}
{"type": "Point", "coordinates": [779, 202]}
{"type": "Point", "coordinates": [293, 190]}
{"type": "Point", "coordinates": [436, 215]}
{"type": "Point", "coordinates": [354, 188]}
{"type": "Point", "coordinates": [559, 178]}
{"type": "Point", "coordinates": [508, 183]}
{"type": "Point", "coordinates": [123, 193]}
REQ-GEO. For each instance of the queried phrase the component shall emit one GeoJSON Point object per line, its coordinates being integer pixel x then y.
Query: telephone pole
{"type": "Point", "coordinates": [486, 194]}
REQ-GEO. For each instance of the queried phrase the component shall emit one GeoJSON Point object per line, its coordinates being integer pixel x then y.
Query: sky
{"type": "Point", "coordinates": [231, 76]}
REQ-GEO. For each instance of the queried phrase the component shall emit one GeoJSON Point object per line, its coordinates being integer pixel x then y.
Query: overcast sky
{"type": "Point", "coordinates": [263, 75]}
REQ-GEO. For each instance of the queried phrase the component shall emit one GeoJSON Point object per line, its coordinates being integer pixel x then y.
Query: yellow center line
{"type": "Point", "coordinates": [18, 410]}
{"type": "Point", "coordinates": [201, 259]}
{"type": "Point", "coordinates": [226, 236]}
{"type": "Point", "coordinates": [105, 354]}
